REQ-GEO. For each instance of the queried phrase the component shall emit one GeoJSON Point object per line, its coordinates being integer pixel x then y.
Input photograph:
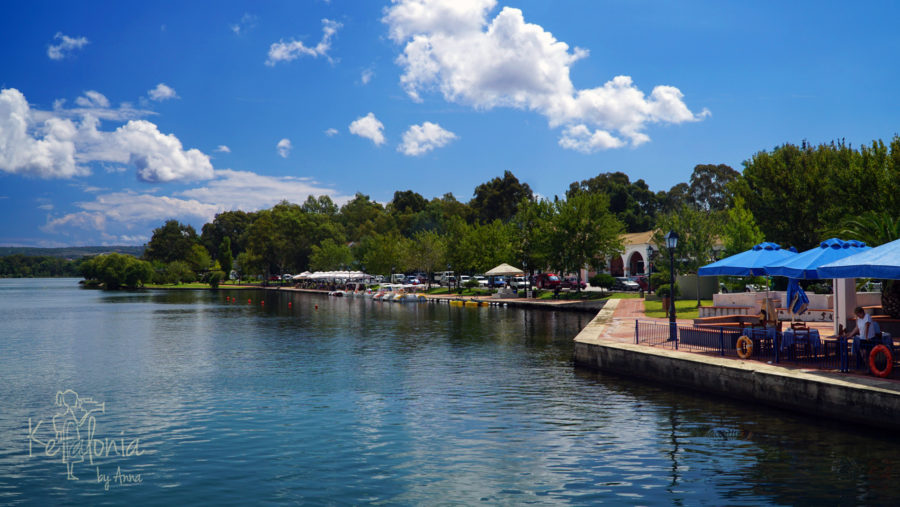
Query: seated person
{"type": "Point", "coordinates": [866, 328]}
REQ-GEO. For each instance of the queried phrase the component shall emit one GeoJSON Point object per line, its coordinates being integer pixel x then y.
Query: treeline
{"type": "Point", "coordinates": [26, 266]}
{"type": "Point", "coordinates": [792, 195]}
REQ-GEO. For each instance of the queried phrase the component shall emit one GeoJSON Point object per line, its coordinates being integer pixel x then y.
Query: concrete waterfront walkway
{"type": "Point", "coordinates": [607, 344]}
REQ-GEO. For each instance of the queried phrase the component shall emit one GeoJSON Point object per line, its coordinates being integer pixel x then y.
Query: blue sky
{"type": "Point", "coordinates": [115, 116]}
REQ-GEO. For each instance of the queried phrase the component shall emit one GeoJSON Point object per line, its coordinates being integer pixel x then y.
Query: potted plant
{"type": "Point", "coordinates": [665, 293]}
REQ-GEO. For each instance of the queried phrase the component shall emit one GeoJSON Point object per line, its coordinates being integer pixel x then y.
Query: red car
{"type": "Point", "coordinates": [546, 281]}
{"type": "Point", "coordinates": [571, 282]}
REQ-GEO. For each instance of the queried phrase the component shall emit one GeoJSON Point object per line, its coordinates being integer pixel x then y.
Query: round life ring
{"type": "Point", "coordinates": [744, 347]}
{"type": "Point", "coordinates": [873, 361]}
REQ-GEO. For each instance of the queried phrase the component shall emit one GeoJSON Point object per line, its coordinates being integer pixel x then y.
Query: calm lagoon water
{"type": "Point", "coordinates": [362, 402]}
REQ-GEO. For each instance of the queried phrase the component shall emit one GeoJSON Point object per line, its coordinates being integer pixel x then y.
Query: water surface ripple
{"type": "Point", "coordinates": [363, 402]}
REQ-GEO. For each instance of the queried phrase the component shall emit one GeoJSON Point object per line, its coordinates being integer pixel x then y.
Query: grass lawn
{"type": "Point", "coordinates": [684, 309]}
{"type": "Point", "coordinates": [193, 285]}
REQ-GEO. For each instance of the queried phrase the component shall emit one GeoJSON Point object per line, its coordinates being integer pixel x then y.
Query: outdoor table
{"type": "Point", "coordinates": [761, 336]}
{"type": "Point", "coordinates": [789, 336]}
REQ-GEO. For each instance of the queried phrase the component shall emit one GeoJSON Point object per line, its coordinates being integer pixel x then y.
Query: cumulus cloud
{"type": "Point", "coordinates": [284, 147]}
{"type": "Point", "coordinates": [128, 214]}
{"type": "Point", "coordinates": [162, 92]}
{"type": "Point", "coordinates": [52, 146]}
{"type": "Point", "coordinates": [64, 45]}
{"type": "Point", "coordinates": [282, 51]}
{"type": "Point", "coordinates": [366, 76]}
{"type": "Point", "coordinates": [44, 150]}
{"type": "Point", "coordinates": [223, 149]}
{"type": "Point", "coordinates": [452, 47]}
{"type": "Point", "coordinates": [420, 139]}
{"type": "Point", "coordinates": [331, 132]}
{"type": "Point", "coordinates": [368, 127]}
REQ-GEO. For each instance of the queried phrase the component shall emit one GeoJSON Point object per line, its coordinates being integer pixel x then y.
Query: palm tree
{"type": "Point", "coordinates": [877, 228]}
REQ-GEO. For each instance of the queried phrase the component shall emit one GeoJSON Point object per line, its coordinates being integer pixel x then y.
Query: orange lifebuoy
{"type": "Point", "coordinates": [873, 366]}
{"type": "Point", "coordinates": [744, 347]}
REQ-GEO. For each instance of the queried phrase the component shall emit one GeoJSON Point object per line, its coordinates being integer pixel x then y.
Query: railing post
{"type": "Point", "coordinates": [777, 342]}
{"type": "Point", "coordinates": [637, 339]}
{"type": "Point", "coordinates": [721, 341]}
{"type": "Point", "coordinates": [673, 333]}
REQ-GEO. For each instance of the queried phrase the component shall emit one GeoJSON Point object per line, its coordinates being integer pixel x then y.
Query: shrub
{"type": "Point", "coordinates": [214, 278]}
{"type": "Point", "coordinates": [471, 283]}
{"type": "Point", "coordinates": [604, 280]}
{"type": "Point", "coordinates": [657, 280]}
{"type": "Point", "coordinates": [664, 291]}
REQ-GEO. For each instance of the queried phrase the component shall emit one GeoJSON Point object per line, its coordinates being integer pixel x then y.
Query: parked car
{"type": "Point", "coordinates": [500, 281]}
{"type": "Point", "coordinates": [482, 281]}
{"type": "Point", "coordinates": [571, 282]}
{"type": "Point", "coordinates": [448, 280]}
{"type": "Point", "coordinates": [519, 282]}
{"type": "Point", "coordinates": [287, 277]}
{"type": "Point", "coordinates": [623, 283]}
{"type": "Point", "coordinates": [546, 281]}
{"type": "Point", "coordinates": [641, 280]}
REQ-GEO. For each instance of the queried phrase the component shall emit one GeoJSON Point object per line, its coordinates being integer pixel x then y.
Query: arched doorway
{"type": "Point", "coordinates": [616, 266]}
{"type": "Point", "coordinates": [636, 264]}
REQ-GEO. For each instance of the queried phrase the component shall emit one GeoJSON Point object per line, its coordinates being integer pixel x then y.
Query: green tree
{"type": "Point", "coordinates": [739, 230]}
{"type": "Point", "coordinates": [428, 253]}
{"type": "Point", "coordinates": [530, 229]}
{"type": "Point", "coordinates": [198, 258]}
{"type": "Point", "coordinates": [583, 232]}
{"type": "Point", "coordinates": [116, 270]}
{"type": "Point", "coordinates": [249, 263]}
{"type": "Point", "coordinates": [179, 272]}
{"type": "Point", "coordinates": [499, 198]}
{"type": "Point", "coordinates": [710, 186]}
{"type": "Point", "coordinates": [697, 231]}
{"type": "Point", "coordinates": [173, 241]}
{"type": "Point", "coordinates": [225, 259]}
{"type": "Point", "coordinates": [634, 204]}
{"type": "Point", "coordinates": [229, 224]}
{"type": "Point", "coordinates": [330, 256]}
{"type": "Point", "coordinates": [322, 205]}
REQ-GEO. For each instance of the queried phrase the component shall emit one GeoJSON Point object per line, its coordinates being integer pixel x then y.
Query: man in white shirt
{"type": "Point", "coordinates": [866, 329]}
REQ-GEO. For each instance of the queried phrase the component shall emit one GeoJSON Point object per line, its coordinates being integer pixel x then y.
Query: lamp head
{"type": "Point", "coordinates": [672, 240]}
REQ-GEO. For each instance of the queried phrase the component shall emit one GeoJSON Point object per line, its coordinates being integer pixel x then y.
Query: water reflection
{"type": "Point", "coordinates": [358, 402]}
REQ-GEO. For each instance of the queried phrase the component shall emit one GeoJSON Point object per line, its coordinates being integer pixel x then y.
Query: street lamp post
{"type": "Point", "coordinates": [671, 244]}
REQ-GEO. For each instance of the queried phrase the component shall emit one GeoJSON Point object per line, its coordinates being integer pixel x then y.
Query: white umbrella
{"type": "Point", "coordinates": [505, 270]}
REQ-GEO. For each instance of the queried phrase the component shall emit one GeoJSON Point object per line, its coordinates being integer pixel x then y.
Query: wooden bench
{"type": "Point", "coordinates": [723, 311]}
{"type": "Point", "coordinates": [728, 321]}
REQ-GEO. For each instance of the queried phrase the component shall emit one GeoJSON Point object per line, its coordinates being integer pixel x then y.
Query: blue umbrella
{"type": "Point", "coordinates": [753, 262]}
{"type": "Point", "coordinates": [879, 262]}
{"type": "Point", "coordinates": [805, 265]}
{"type": "Point", "coordinates": [798, 302]}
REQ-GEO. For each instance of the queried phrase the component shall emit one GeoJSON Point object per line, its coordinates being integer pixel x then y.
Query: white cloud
{"type": "Point", "coordinates": [51, 146]}
{"type": "Point", "coordinates": [91, 99]}
{"type": "Point", "coordinates": [247, 23]}
{"type": "Point", "coordinates": [286, 51]}
{"type": "Point", "coordinates": [453, 48]}
{"type": "Point", "coordinates": [45, 150]}
{"type": "Point", "coordinates": [368, 127]}
{"type": "Point", "coordinates": [64, 46]}
{"type": "Point", "coordinates": [223, 149]}
{"type": "Point", "coordinates": [331, 132]}
{"type": "Point", "coordinates": [128, 214]}
{"type": "Point", "coordinates": [250, 191]}
{"type": "Point", "coordinates": [580, 138]}
{"type": "Point", "coordinates": [284, 147]}
{"type": "Point", "coordinates": [366, 76]}
{"type": "Point", "coordinates": [162, 92]}
{"type": "Point", "coordinates": [420, 139]}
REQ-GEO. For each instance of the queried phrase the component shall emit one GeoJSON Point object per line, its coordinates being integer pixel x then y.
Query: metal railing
{"type": "Point", "coordinates": [768, 344]}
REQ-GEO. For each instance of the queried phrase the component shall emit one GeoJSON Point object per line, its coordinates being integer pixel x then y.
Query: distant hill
{"type": "Point", "coordinates": [70, 252]}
